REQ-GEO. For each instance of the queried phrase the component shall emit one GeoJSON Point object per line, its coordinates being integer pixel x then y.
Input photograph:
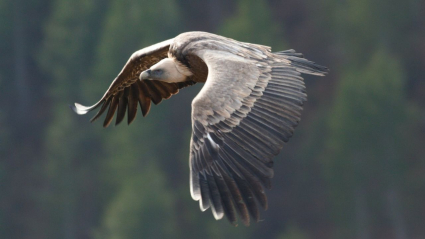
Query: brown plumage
{"type": "Point", "coordinates": [248, 108]}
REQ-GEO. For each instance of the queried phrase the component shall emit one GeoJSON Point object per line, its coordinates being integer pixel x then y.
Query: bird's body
{"type": "Point", "coordinates": [248, 108]}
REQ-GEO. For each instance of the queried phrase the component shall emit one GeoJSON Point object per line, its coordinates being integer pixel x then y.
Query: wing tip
{"type": "Point", "coordinates": [321, 70]}
{"type": "Point", "coordinates": [217, 215]}
{"type": "Point", "coordinates": [302, 64]}
{"type": "Point", "coordinates": [82, 110]}
{"type": "Point", "coordinates": [79, 109]}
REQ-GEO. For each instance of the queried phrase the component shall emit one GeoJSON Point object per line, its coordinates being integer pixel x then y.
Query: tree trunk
{"type": "Point", "coordinates": [362, 215]}
{"type": "Point", "coordinates": [395, 213]}
{"type": "Point", "coordinates": [21, 68]}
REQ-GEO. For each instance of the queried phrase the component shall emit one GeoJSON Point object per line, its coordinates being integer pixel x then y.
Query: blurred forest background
{"type": "Point", "coordinates": [355, 167]}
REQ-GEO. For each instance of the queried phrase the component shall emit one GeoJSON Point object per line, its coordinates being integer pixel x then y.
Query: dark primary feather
{"type": "Point", "coordinates": [126, 90]}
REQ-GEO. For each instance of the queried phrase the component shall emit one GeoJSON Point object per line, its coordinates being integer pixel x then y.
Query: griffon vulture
{"type": "Point", "coordinates": [248, 108]}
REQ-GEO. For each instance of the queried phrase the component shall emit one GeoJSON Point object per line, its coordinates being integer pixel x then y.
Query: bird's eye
{"type": "Point", "coordinates": [157, 72]}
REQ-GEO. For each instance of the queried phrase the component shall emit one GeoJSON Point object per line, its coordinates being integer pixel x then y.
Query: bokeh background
{"type": "Point", "coordinates": [355, 167]}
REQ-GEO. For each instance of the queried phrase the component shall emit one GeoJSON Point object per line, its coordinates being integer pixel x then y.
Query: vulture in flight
{"type": "Point", "coordinates": [246, 111]}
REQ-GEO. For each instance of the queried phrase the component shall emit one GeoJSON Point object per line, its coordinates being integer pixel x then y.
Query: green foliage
{"type": "Point", "coordinates": [370, 105]}
{"type": "Point", "coordinates": [69, 41]}
{"type": "Point", "coordinates": [65, 56]}
{"type": "Point", "coordinates": [293, 232]}
{"type": "Point", "coordinates": [6, 32]}
{"type": "Point", "coordinates": [3, 171]}
{"type": "Point", "coordinates": [253, 22]}
{"type": "Point", "coordinates": [142, 208]}
{"type": "Point", "coordinates": [139, 204]}
{"type": "Point", "coordinates": [362, 25]}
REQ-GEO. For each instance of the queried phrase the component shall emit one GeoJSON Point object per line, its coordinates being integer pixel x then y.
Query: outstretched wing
{"type": "Point", "coordinates": [126, 91]}
{"type": "Point", "coordinates": [247, 110]}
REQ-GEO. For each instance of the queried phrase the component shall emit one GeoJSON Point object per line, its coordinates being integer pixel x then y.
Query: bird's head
{"type": "Point", "coordinates": [165, 70]}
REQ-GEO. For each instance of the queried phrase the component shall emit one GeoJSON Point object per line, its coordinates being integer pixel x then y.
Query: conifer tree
{"type": "Point", "coordinates": [366, 145]}
{"type": "Point", "coordinates": [132, 167]}
{"type": "Point", "coordinates": [71, 33]}
{"type": "Point", "coordinates": [253, 22]}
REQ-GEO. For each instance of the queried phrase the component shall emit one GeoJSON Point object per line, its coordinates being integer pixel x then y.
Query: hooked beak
{"type": "Point", "coordinates": [145, 75]}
